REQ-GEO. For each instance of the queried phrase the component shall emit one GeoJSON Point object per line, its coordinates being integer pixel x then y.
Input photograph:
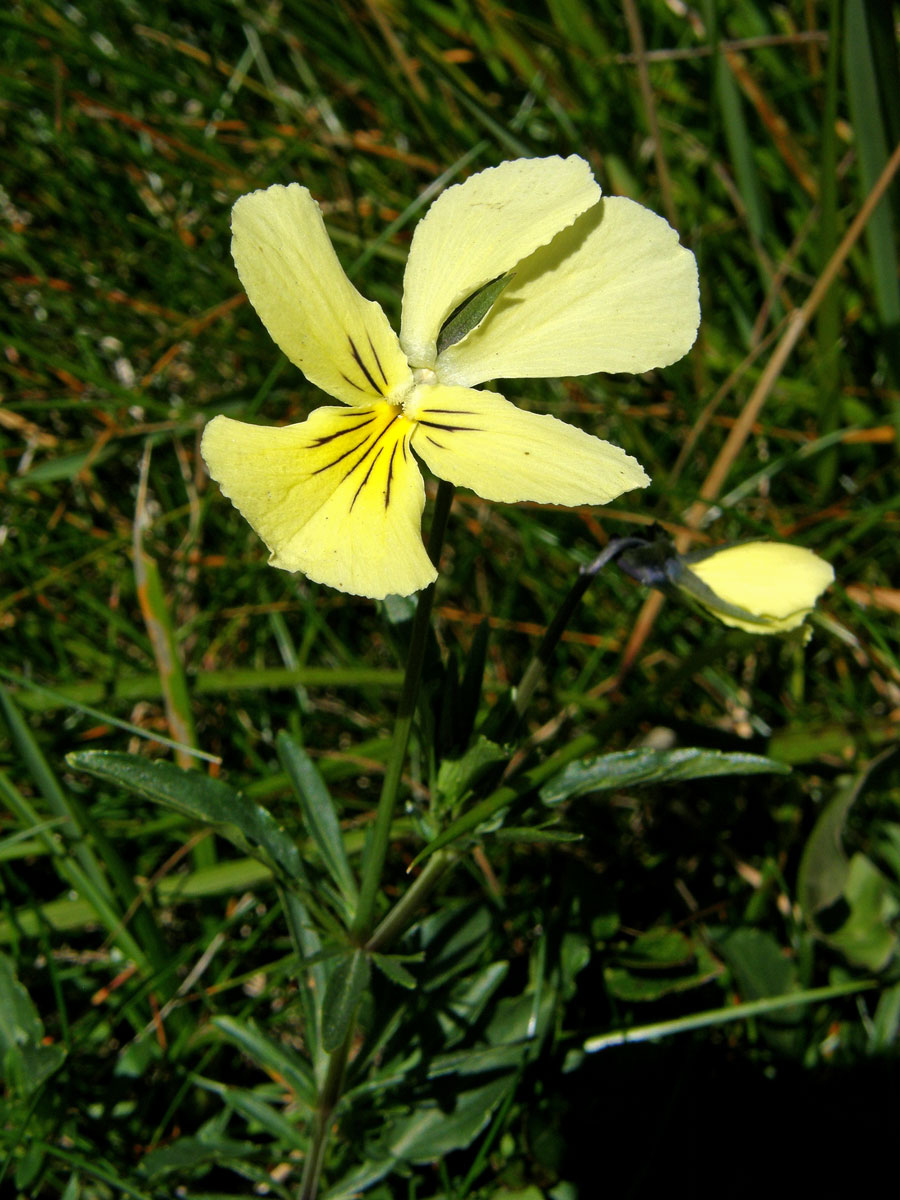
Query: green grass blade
{"type": "Point", "coordinates": [724, 1016]}
{"type": "Point", "coordinates": [860, 70]}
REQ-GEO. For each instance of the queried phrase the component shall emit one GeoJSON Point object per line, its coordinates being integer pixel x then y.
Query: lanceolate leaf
{"type": "Point", "coordinates": [272, 1056]}
{"type": "Point", "coordinates": [395, 970]}
{"type": "Point", "coordinates": [643, 766]}
{"type": "Point", "coordinates": [319, 813]}
{"type": "Point", "coordinates": [430, 1132]}
{"type": "Point", "coordinates": [248, 825]}
{"type": "Point", "coordinates": [348, 981]}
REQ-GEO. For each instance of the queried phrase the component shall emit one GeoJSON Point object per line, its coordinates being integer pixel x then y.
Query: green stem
{"type": "Point", "coordinates": [398, 919]}
{"type": "Point", "coordinates": [376, 851]}
{"type": "Point", "coordinates": [327, 1102]}
{"type": "Point", "coordinates": [586, 575]}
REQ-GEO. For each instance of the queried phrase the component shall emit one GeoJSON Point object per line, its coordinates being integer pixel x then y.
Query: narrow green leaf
{"type": "Point", "coordinates": [161, 631]}
{"type": "Point", "coordinates": [248, 825]}
{"type": "Point", "coordinates": [127, 688]}
{"type": "Point", "coordinates": [630, 767]}
{"type": "Point", "coordinates": [431, 1131]}
{"type": "Point", "coordinates": [65, 466]}
{"type": "Point", "coordinates": [535, 834]}
{"type": "Point", "coordinates": [312, 972]}
{"type": "Point", "coordinates": [348, 980]}
{"type": "Point", "coordinates": [186, 1154]}
{"type": "Point", "coordinates": [470, 820]}
{"type": "Point", "coordinates": [273, 1057]}
{"type": "Point", "coordinates": [741, 145]}
{"type": "Point", "coordinates": [352, 1185]}
{"type": "Point", "coordinates": [98, 904]}
{"type": "Point", "coordinates": [256, 1111]}
{"type": "Point", "coordinates": [34, 697]}
{"type": "Point", "coordinates": [491, 806]}
{"type": "Point", "coordinates": [395, 971]}
{"type": "Point", "coordinates": [90, 854]}
{"type": "Point", "coordinates": [481, 1059]}
{"type": "Point", "coordinates": [872, 145]}
{"type": "Point", "coordinates": [319, 814]}
{"type": "Point", "coordinates": [828, 318]}
{"type": "Point", "coordinates": [723, 1016]}
{"type": "Point", "coordinates": [637, 986]}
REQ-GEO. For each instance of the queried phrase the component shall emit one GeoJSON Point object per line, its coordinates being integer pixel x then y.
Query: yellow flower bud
{"type": "Point", "coordinates": [764, 587]}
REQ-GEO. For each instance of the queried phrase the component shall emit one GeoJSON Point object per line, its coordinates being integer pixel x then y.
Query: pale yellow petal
{"type": "Point", "coordinates": [478, 230]}
{"type": "Point", "coordinates": [774, 583]}
{"type": "Point", "coordinates": [481, 441]}
{"type": "Point", "coordinates": [292, 277]}
{"type": "Point", "coordinates": [338, 496]}
{"type": "Point", "coordinates": [613, 292]}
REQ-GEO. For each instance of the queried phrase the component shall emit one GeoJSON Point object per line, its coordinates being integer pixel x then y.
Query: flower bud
{"type": "Point", "coordinates": [764, 587]}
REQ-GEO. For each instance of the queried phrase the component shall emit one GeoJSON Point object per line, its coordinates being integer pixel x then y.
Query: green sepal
{"type": "Point", "coordinates": [471, 312]}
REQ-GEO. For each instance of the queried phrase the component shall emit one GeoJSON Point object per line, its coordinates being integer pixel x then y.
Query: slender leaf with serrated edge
{"type": "Point", "coordinates": [630, 767]}
{"type": "Point", "coordinates": [319, 813]}
{"type": "Point", "coordinates": [272, 1056]}
{"type": "Point", "coordinates": [346, 984]}
{"type": "Point", "coordinates": [394, 970]}
{"type": "Point", "coordinates": [256, 1111]}
{"type": "Point", "coordinates": [248, 825]}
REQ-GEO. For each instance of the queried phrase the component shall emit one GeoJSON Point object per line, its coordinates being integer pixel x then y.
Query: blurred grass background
{"type": "Point", "coordinates": [137, 606]}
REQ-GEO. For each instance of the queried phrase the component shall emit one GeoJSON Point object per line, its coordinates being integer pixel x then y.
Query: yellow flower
{"type": "Point", "coordinates": [595, 285]}
{"type": "Point", "coordinates": [765, 587]}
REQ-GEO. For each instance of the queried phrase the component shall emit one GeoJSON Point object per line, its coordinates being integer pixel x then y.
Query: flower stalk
{"type": "Point", "coordinates": [376, 851]}
{"type": "Point", "coordinates": [586, 576]}
{"type": "Point", "coordinates": [328, 1098]}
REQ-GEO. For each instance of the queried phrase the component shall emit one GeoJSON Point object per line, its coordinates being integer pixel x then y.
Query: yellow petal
{"type": "Point", "coordinates": [292, 276]}
{"type": "Point", "coordinates": [774, 583]}
{"type": "Point", "coordinates": [338, 496]}
{"type": "Point", "coordinates": [613, 292]}
{"type": "Point", "coordinates": [481, 441]}
{"type": "Point", "coordinates": [479, 230]}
